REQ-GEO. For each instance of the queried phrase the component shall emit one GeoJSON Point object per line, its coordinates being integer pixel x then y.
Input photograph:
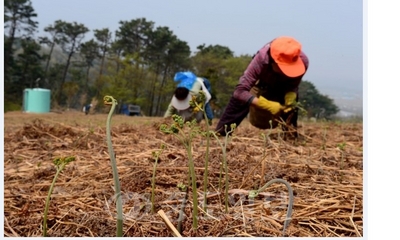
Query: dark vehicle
{"type": "Point", "coordinates": [130, 110]}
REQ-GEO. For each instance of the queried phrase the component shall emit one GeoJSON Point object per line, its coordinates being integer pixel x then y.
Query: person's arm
{"type": "Point", "coordinates": [251, 75]}
{"type": "Point", "coordinates": [170, 111]}
{"type": "Point", "coordinates": [249, 79]}
{"type": "Point", "coordinates": [204, 89]}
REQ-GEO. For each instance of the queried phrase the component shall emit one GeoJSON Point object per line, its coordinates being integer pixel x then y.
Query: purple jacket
{"type": "Point", "coordinates": [260, 69]}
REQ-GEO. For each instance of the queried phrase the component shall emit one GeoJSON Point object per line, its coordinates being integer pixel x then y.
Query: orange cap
{"type": "Point", "coordinates": [286, 53]}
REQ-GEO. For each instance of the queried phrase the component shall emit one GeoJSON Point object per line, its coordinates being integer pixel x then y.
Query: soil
{"type": "Point", "coordinates": [324, 167]}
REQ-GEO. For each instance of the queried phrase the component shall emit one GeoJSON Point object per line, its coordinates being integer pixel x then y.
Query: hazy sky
{"type": "Point", "coordinates": [331, 31]}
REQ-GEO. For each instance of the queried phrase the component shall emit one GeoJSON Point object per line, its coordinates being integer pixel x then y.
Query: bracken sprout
{"type": "Point", "coordinates": [109, 100]}
{"type": "Point", "coordinates": [198, 103]}
{"type": "Point", "coordinates": [60, 164]}
{"type": "Point", "coordinates": [297, 105]}
{"type": "Point", "coordinates": [224, 164]}
{"type": "Point", "coordinates": [156, 156]}
{"type": "Point", "coordinates": [185, 132]}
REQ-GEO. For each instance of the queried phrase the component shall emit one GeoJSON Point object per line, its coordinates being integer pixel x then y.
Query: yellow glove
{"type": "Point", "coordinates": [271, 106]}
{"type": "Point", "coordinates": [196, 109]}
{"type": "Point", "coordinates": [290, 98]}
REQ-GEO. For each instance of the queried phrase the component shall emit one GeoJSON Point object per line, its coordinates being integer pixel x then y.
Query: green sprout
{"type": "Point", "coordinates": [185, 132]}
{"type": "Point", "coordinates": [109, 100]}
{"type": "Point", "coordinates": [264, 138]}
{"type": "Point", "coordinates": [341, 146]}
{"type": "Point", "coordinates": [183, 188]}
{"type": "Point", "coordinates": [156, 155]}
{"type": "Point", "coordinates": [224, 164]}
{"type": "Point", "coordinates": [198, 103]}
{"type": "Point", "coordinates": [297, 105]}
{"type": "Point", "coordinates": [60, 164]}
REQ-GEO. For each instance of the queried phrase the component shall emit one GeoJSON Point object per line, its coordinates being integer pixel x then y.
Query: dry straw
{"type": "Point", "coordinates": [328, 195]}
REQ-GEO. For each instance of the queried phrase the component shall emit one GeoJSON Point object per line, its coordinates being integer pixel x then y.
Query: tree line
{"type": "Point", "coordinates": [135, 64]}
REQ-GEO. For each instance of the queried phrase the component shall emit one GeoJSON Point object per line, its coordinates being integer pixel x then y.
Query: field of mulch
{"type": "Point", "coordinates": [324, 167]}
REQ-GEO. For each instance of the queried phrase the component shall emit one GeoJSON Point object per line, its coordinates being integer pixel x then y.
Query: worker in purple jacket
{"type": "Point", "coordinates": [268, 88]}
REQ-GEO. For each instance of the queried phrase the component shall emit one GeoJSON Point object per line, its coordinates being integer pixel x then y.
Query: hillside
{"type": "Point", "coordinates": [349, 99]}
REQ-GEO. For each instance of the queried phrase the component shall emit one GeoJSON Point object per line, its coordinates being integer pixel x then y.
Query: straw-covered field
{"type": "Point", "coordinates": [324, 168]}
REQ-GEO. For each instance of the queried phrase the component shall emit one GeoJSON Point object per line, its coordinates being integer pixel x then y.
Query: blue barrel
{"type": "Point", "coordinates": [36, 100]}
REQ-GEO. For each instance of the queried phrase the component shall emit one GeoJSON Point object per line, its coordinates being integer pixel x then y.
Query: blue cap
{"type": "Point", "coordinates": [185, 79]}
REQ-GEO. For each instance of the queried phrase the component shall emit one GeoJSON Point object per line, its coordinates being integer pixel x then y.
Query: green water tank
{"type": "Point", "coordinates": [36, 100]}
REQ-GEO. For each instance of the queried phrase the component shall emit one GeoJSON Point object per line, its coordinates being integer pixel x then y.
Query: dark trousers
{"type": "Point", "coordinates": [234, 112]}
{"type": "Point", "coordinates": [207, 107]}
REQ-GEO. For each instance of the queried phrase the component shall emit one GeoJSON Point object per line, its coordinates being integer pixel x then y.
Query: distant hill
{"type": "Point", "coordinates": [348, 97]}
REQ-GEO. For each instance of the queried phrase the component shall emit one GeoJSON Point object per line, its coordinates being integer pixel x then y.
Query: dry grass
{"type": "Point", "coordinates": [327, 182]}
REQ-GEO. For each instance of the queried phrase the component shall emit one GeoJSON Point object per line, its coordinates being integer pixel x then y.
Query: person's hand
{"type": "Point", "coordinates": [198, 107]}
{"type": "Point", "coordinates": [290, 98]}
{"type": "Point", "coordinates": [272, 106]}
